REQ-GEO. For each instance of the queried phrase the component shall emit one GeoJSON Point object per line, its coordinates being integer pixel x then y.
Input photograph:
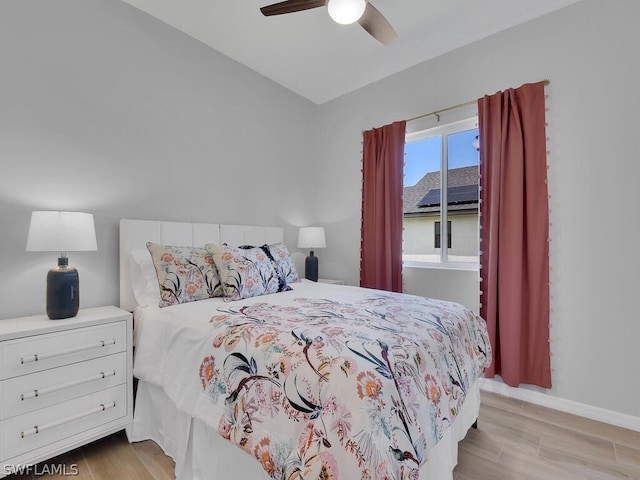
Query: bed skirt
{"type": "Point", "coordinates": [200, 453]}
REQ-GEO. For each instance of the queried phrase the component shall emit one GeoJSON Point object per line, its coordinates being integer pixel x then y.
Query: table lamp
{"type": "Point", "coordinates": [311, 237]}
{"type": "Point", "coordinates": [53, 231]}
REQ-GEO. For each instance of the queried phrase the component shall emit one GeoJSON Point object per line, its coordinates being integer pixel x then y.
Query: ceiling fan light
{"type": "Point", "coordinates": [346, 12]}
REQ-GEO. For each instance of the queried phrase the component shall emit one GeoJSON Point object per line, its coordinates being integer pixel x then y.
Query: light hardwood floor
{"type": "Point", "coordinates": [515, 440]}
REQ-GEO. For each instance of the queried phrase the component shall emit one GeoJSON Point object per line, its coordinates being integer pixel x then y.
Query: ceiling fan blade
{"type": "Point", "coordinates": [290, 6]}
{"type": "Point", "coordinates": [377, 26]}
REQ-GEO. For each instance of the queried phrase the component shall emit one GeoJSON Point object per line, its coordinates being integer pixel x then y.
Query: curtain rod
{"type": "Point", "coordinates": [460, 105]}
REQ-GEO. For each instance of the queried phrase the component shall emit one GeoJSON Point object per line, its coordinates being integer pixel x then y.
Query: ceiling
{"type": "Point", "coordinates": [320, 60]}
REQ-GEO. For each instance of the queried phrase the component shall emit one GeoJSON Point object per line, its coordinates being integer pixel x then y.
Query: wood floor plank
{"type": "Point", "coordinates": [159, 465]}
{"type": "Point", "coordinates": [531, 466]}
{"type": "Point", "coordinates": [482, 442]}
{"type": "Point", "coordinates": [113, 458]}
{"type": "Point", "coordinates": [472, 466]}
{"type": "Point", "coordinates": [606, 431]}
{"type": "Point", "coordinates": [578, 443]}
{"type": "Point", "coordinates": [628, 456]}
{"type": "Point", "coordinates": [543, 444]}
{"type": "Point", "coordinates": [491, 422]}
{"type": "Point", "coordinates": [502, 403]}
{"type": "Point", "coordinates": [552, 434]}
{"type": "Point", "coordinates": [590, 467]}
{"type": "Point", "coordinates": [71, 464]}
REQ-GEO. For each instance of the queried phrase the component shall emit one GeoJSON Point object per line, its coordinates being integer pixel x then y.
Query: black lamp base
{"type": "Point", "coordinates": [63, 300]}
{"type": "Point", "coordinates": [311, 267]}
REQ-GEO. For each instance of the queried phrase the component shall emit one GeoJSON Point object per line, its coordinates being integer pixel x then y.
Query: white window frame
{"type": "Point", "coordinates": [442, 131]}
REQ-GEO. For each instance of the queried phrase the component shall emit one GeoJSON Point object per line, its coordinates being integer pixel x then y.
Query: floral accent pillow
{"type": "Point", "coordinates": [279, 255]}
{"type": "Point", "coordinates": [246, 272]}
{"type": "Point", "coordinates": [185, 274]}
{"type": "Point", "coordinates": [283, 261]}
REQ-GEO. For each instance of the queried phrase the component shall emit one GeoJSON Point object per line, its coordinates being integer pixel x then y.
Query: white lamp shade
{"type": "Point", "coordinates": [52, 231]}
{"type": "Point", "coordinates": [311, 237]}
{"type": "Point", "coordinates": [346, 12]}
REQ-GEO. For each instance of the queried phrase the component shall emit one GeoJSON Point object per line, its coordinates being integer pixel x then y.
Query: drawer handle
{"type": "Point", "coordinates": [38, 392]}
{"type": "Point", "coordinates": [42, 356]}
{"type": "Point", "coordinates": [39, 429]}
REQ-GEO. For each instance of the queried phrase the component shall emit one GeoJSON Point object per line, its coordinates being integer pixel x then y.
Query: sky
{"type": "Point", "coordinates": [423, 156]}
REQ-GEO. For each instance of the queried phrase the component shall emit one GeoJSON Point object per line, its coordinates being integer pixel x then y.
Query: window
{"type": "Point", "coordinates": [441, 168]}
{"type": "Point", "coordinates": [436, 240]}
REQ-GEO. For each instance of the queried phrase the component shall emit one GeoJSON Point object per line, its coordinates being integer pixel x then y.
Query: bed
{"type": "Point", "coordinates": [312, 381]}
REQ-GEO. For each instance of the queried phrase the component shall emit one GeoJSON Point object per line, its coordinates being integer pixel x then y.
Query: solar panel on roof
{"type": "Point", "coordinates": [431, 199]}
{"type": "Point", "coordinates": [463, 194]}
{"type": "Point", "coordinates": [455, 195]}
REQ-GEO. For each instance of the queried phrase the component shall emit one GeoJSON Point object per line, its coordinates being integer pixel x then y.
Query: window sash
{"type": "Point", "coordinates": [443, 131]}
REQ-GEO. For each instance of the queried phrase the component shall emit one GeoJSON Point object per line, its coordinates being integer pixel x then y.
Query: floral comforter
{"type": "Point", "coordinates": [356, 385]}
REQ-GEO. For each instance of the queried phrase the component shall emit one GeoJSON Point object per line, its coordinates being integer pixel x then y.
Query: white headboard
{"type": "Point", "coordinates": [134, 235]}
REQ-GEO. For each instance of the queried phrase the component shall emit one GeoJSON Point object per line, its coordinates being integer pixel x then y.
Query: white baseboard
{"type": "Point", "coordinates": [568, 406]}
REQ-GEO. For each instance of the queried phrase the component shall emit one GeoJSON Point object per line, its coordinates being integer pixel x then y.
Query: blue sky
{"type": "Point", "coordinates": [423, 156]}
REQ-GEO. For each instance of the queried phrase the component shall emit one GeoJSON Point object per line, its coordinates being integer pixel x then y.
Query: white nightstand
{"type": "Point", "coordinates": [331, 281]}
{"type": "Point", "coordinates": [63, 383]}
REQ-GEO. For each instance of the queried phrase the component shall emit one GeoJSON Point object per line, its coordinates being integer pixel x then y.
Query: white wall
{"type": "Point", "coordinates": [590, 53]}
{"type": "Point", "coordinates": [105, 110]}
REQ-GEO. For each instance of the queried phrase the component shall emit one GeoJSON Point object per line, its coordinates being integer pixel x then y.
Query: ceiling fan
{"type": "Point", "coordinates": [344, 12]}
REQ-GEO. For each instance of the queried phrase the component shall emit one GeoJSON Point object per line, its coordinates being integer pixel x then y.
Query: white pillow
{"type": "Point", "coordinates": [144, 280]}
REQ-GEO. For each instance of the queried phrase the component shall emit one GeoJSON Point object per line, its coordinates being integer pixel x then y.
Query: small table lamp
{"type": "Point", "coordinates": [311, 237]}
{"type": "Point", "coordinates": [62, 232]}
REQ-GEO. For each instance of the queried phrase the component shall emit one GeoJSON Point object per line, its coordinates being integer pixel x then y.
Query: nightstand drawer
{"type": "Point", "coordinates": [48, 425]}
{"type": "Point", "coordinates": [41, 352]}
{"type": "Point", "coordinates": [41, 389]}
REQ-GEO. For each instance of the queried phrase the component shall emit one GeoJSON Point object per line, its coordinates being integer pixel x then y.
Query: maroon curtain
{"type": "Point", "coordinates": [382, 188]}
{"type": "Point", "coordinates": [514, 232]}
